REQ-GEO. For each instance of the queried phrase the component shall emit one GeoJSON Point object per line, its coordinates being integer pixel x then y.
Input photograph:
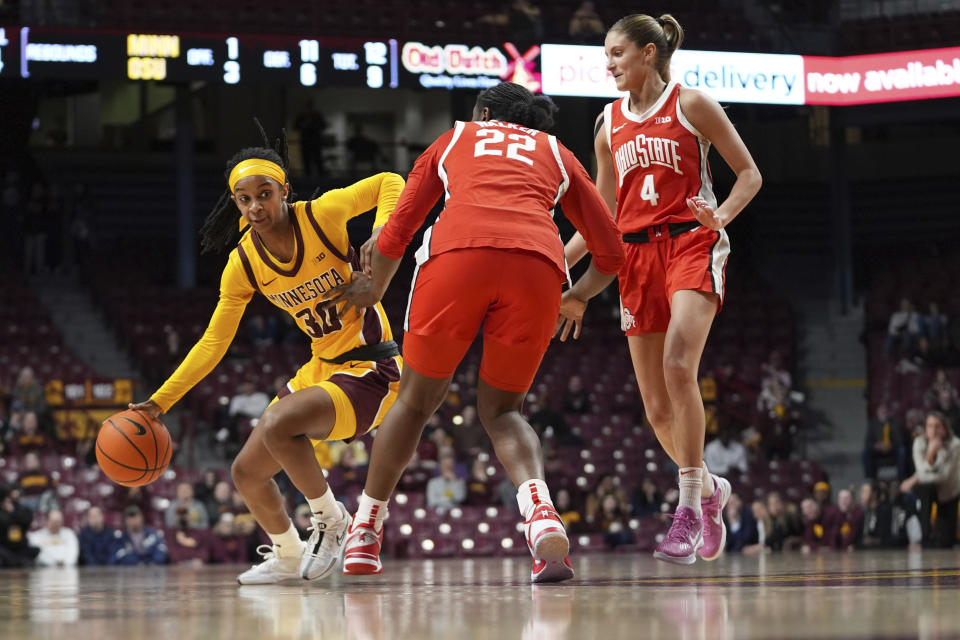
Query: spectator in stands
{"type": "Point", "coordinates": [572, 520]}
{"type": "Point", "coordinates": [877, 517]}
{"type": "Point", "coordinates": [724, 453]}
{"type": "Point", "coordinates": [137, 543]}
{"type": "Point", "coordinates": [940, 385]}
{"type": "Point", "coordinates": [15, 520]}
{"type": "Point", "coordinates": [522, 20]}
{"type": "Point", "coordinates": [586, 26]}
{"type": "Point", "coordinates": [884, 443]}
{"type": "Point", "coordinates": [262, 331]}
{"type": "Point", "coordinates": [58, 544]}
{"type": "Point", "coordinates": [764, 525]}
{"type": "Point", "coordinates": [364, 151]}
{"type": "Point", "coordinates": [847, 525]}
{"type": "Point", "coordinates": [446, 490]}
{"type": "Point", "coordinates": [576, 399]}
{"type": "Point", "coordinates": [546, 421]}
{"type": "Point", "coordinates": [948, 406]}
{"type": "Point", "coordinates": [228, 546]}
{"type": "Point", "coordinates": [469, 437]}
{"type": "Point", "coordinates": [188, 545]}
{"type": "Point", "coordinates": [124, 497]}
{"type": "Point", "coordinates": [937, 480]}
{"type": "Point", "coordinates": [934, 326]}
{"type": "Point", "coordinates": [920, 356]}
{"type": "Point", "coordinates": [36, 485]}
{"type": "Point", "coordinates": [96, 539]}
{"type": "Point", "coordinates": [613, 522]}
{"type": "Point", "coordinates": [647, 499]}
{"type": "Point", "coordinates": [219, 502]}
{"type": "Point", "coordinates": [429, 447]}
{"type": "Point", "coordinates": [915, 422]}
{"type": "Point", "coordinates": [823, 495]}
{"type": "Point", "coordinates": [203, 490]}
{"type": "Point", "coordinates": [816, 528]}
{"type": "Point", "coordinates": [903, 328]}
{"type": "Point", "coordinates": [480, 491]}
{"type": "Point", "coordinates": [248, 403]}
{"type": "Point", "coordinates": [606, 485]}
{"type": "Point", "coordinates": [785, 523]}
{"type": "Point", "coordinates": [35, 228]}
{"type": "Point", "coordinates": [196, 513]}
{"type": "Point", "coordinates": [29, 438]}
{"type": "Point", "coordinates": [741, 525]}
{"type": "Point", "coordinates": [312, 127]}
{"type": "Point", "coordinates": [171, 338]}
{"type": "Point", "coordinates": [774, 369]}
{"type": "Point", "coordinates": [29, 393]}
{"type": "Point", "coordinates": [415, 477]}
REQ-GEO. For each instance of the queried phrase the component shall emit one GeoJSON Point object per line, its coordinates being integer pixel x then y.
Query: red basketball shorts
{"type": "Point", "coordinates": [513, 295]}
{"type": "Point", "coordinates": [654, 271]}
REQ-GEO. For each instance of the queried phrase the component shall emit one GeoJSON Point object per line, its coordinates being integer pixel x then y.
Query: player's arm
{"type": "Point", "coordinates": [576, 247]}
{"type": "Point", "coordinates": [707, 116]}
{"type": "Point", "coordinates": [588, 212]}
{"type": "Point", "coordinates": [235, 292]}
{"type": "Point", "coordinates": [423, 189]}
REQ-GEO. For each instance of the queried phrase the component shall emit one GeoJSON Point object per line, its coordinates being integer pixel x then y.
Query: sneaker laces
{"type": "Point", "coordinates": [683, 528]}
{"type": "Point", "coordinates": [316, 524]}
{"type": "Point", "coordinates": [267, 552]}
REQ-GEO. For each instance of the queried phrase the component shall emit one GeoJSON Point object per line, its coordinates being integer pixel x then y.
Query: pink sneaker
{"type": "Point", "coordinates": [684, 539]}
{"type": "Point", "coordinates": [714, 530]}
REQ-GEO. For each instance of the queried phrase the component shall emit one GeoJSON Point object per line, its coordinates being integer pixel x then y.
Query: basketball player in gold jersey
{"type": "Point", "coordinates": [293, 253]}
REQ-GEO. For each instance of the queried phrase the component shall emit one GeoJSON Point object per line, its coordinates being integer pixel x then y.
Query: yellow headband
{"type": "Point", "coordinates": [257, 167]}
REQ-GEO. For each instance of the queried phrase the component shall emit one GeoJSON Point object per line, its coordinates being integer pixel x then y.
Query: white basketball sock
{"type": "Point", "coordinates": [530, 494]}
{"type": "Point", "coordinates": [325, 505]}
{"type": "Point", "coordinates": [709, 486]}
{"type": "Point", "coordinates": [371, 511]}
{"type": "Point", "coordinates": [288, 543]}
{"type": "Point", "coordinates": [691, 486]}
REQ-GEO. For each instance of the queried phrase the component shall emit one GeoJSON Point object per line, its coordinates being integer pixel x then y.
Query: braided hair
{"type": "Point", "coordinates": [219, 230]}
{"type": "Point", "coordinates": [512, 102]}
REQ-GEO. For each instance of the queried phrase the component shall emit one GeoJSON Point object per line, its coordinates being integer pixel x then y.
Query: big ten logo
{"type": "Point", "coordinates": [453, 58]}
{"type": "Point", "coordinates": [148, 55]}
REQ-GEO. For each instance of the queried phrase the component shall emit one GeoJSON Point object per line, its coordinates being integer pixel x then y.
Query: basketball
{"type": "Point", "coordinates": [133, 449]}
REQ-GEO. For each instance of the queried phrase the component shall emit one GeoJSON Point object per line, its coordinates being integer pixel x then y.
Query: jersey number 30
{"type": "Point", "coordinates": [494, 138]}
{"type": "Point", "coordinates": [321, 323]}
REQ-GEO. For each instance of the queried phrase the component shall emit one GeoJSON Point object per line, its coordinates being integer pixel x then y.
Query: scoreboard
{"type": "Point", "coordinates": [51, 53]}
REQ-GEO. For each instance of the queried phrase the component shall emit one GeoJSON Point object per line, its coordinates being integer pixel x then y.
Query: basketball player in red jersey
{"type": "Point", "coordinates": [651, 148]}
{"type": "Point", "coordinates": [493, 259]}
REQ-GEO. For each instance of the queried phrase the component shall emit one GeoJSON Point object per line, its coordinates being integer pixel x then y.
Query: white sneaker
{"type": "Point", "coordinates": [325, 545]}
{"type": "Point", "coordinates": [273, 569]}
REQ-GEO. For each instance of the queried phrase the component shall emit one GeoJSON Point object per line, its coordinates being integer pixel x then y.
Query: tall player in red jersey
{"type": "Point", "coordinates": [493, 259]}
{"type": "Point", "coordinates": [651, 148]}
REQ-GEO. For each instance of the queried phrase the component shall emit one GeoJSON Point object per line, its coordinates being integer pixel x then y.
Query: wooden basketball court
{"type": "Point", "coordinates": [856, 595]}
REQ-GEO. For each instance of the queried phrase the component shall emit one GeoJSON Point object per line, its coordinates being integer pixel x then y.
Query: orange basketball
{"type": "Point", "coordinates": [133, 449]}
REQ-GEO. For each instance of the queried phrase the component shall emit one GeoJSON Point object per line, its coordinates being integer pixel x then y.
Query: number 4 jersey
{"type": "Point", "coordinates": [659, 159]}
{"type": "Point", "coordinates": [500, 184]}
{"type": "Point", "coordinates": [323, 259]}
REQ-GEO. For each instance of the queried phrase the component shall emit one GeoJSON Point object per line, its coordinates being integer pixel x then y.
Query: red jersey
{"type": "Point", "coordinates": [659, 160]}
{"type": "Point", "coordinates": [500, 183]}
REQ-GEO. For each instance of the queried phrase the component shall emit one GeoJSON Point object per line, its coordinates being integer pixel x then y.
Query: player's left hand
{"type": "Point", "coordinates": [571, 316]}
{"type": "Point", "coordinates": [357, 294]}
{"type": "Point", "coordinates": [705, 213]}
{"type": "Point", "coordinates": [367, 249]}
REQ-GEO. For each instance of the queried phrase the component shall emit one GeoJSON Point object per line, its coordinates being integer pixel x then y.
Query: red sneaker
{"type": "Point", "coordinates": [362, 552]}
{"type": "Point", "coordinates": [549, 546]}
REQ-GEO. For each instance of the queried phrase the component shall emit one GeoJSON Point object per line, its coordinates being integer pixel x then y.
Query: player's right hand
{"type": "Point", "coordinates": [149, 407]}
{"type": "Point", "coordinates": [571, 316]}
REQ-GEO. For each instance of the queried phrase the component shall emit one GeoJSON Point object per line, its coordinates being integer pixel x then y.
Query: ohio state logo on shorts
{"type": "Point", "coordinates": [627, 321]}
